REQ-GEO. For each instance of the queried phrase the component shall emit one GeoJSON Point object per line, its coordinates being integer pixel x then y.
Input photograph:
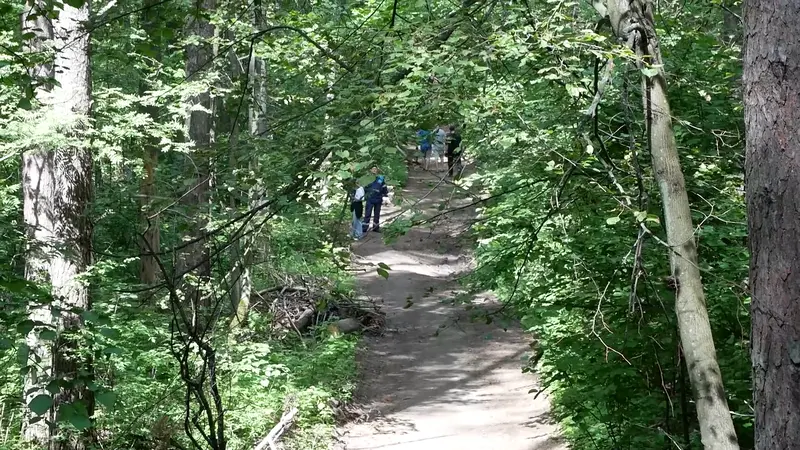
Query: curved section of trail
{"type": "Point", "coordinates": [434, 379]}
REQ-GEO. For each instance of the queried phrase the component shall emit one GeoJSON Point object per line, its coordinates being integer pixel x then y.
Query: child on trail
{"type": "Point", "coordinates": [423, 144]}
{"type": "Point", "coordinates": [453, 151]}
{"type": "Point", "coordinates": [375, 192]}
{"type": "Point", "coordinates": [357, 207]}
{"type": "Point", "coordinates": [438, 147]}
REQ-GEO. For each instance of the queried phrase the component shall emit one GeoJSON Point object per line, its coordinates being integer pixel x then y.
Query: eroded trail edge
{"type": "Point", "coordinates": [434, 379]}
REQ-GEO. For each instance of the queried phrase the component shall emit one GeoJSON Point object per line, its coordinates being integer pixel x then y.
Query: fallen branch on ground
{"type": "Point", "coordinates": [276, 431]}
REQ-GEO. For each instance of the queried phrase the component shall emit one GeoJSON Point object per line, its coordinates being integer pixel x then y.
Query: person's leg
{"type": "Point", "coordinates": [377, 222]}
{"type": "Point", "coordinates": [450, 164]}
{"type": "Point", "coordinates": [356, 231]}
{"type": "Point", "coordinates": [367, 216]}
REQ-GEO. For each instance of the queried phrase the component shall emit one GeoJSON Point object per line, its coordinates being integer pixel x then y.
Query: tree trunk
{"type": "Point", "coordinates": [258, 102]}
{"type": "Point", "coordinates": [150, 240]}
{"type": "Point", "coordinates": [633, 22]}
{"type": "Point", "coordinates": [57, 191]}
{"type": "Point", "coordinates": [772, 177]}
{"type": "Point", "coordinates": [194, 257]}
{"type": "Point", "coordinates": [242, 249]}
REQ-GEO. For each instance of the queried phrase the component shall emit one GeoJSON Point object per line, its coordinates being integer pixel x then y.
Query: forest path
{"type": "Point", "coordinates": [460, 388]}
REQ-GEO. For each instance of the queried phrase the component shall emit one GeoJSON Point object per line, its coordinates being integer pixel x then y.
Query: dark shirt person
{"type": "Point", "coordinates": [374, 193]}
{"type": "Point", "coordinates": [453, 141]}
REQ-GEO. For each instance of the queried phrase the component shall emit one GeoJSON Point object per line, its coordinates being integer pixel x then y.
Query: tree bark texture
{"type": "Point", "coordinates": [150, 239]}
{"type": "Point", "coordinates": [258, 78]}
{"type": "Point", "coordinates": [193, 258]}
{"type": "Point", "coordinates": [632, 21]}
{"type": "Point", "coordinates": [772, 178]}
{"type": "Point", "coordinates": [57, 191]}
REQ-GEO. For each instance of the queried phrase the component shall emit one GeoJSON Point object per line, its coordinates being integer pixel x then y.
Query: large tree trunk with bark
{"type": "Point", "coordinates": [194, 257]}
{"type": "Point", "coordinates": [772, 176]}
{"type": "Point", "coordinates": [57, 191]}
{"type": "Point", "coordinates": [150, 239]}
{"type": "Point", "coordinates": [632, 21]}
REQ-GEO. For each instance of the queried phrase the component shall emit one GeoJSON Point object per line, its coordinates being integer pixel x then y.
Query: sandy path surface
{"type": "Point", "coordinates": [434, 379]}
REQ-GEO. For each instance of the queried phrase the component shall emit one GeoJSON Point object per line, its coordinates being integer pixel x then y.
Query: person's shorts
{"type": "Point", "coordinates": [437, 151]}
{"type": "Point", "coordinates": [424, 150]}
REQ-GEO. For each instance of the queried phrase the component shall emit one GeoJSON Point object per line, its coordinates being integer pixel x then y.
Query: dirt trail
{"type": "Point", "coordinates": [460, 388]}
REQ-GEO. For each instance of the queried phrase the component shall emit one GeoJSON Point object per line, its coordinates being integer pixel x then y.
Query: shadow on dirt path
{"type": "Point", "coordinates": [435, 380]}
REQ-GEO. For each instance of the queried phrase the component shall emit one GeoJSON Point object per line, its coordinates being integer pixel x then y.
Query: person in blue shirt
{"type": "Point", "coordinates": [374, 194]}
{"type": "Point", "coordinates": [423, 144]}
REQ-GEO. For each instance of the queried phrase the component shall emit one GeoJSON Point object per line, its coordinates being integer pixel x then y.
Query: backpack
{"type": "Point", "coordinates": [424, 139]}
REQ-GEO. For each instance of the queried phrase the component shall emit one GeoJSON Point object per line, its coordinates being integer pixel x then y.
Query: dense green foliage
{"type": "Point", "coordinates": [571, 238]}
{"type": "Point", "coordinates": [569, 251]}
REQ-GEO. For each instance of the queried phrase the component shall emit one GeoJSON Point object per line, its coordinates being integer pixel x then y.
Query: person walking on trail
{"type": "Point", "coordinates": [423, 145]}
{"type": "Point", "coordinates": [357, 208]}
{"type": "Point", "coordinates": [453, 152]}
{"type": "Point", "coordinates": [374, 193]}
{"type": "Point", "coordinates": [438, 146]}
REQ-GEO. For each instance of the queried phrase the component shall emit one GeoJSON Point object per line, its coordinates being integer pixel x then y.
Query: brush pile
{"type": "Point", "coordinates": [298, 308]}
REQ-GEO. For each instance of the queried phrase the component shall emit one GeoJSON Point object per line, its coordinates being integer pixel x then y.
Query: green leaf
{"type": "Point", "coordinates": [382, 272]}
{"type": "Point", "coordinates": [15, 285]}
{"type": "Point", "coordinates": [41, 404]}
{"type": "Point", "coordinates": [107, 399]}
{"type": "Point", "coordinates": [649, 72]}
{"type": "Point", "coordinates": [54, 387]}
{"type": "Point", "coordinates": [5, 343]}
{"type": "Point", "coordinates": [47, 335]}
{"type": "Point", "coordinates": [612, 220]}
{"type": "Point", "coordinates": [112, 351]}
{"type": "Point", "coordinates": [109, 332]}
{"type": "Point", "coordinates": [384, 266]}
{"type": "Point", "coordinates": [90, 316]}
{"type": "Point", "coordinates": [574, 91]}
{"type": "Point", "coordinates": [25, 326]}
{"type": "Point", "coordinates": [75, 414]}
{"type": "Point", "coordinates": [75, 3]}
{"type": "Point", "coordinates": [80, 421]}
{"type": "Point", "coordinates": [25, 103]}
